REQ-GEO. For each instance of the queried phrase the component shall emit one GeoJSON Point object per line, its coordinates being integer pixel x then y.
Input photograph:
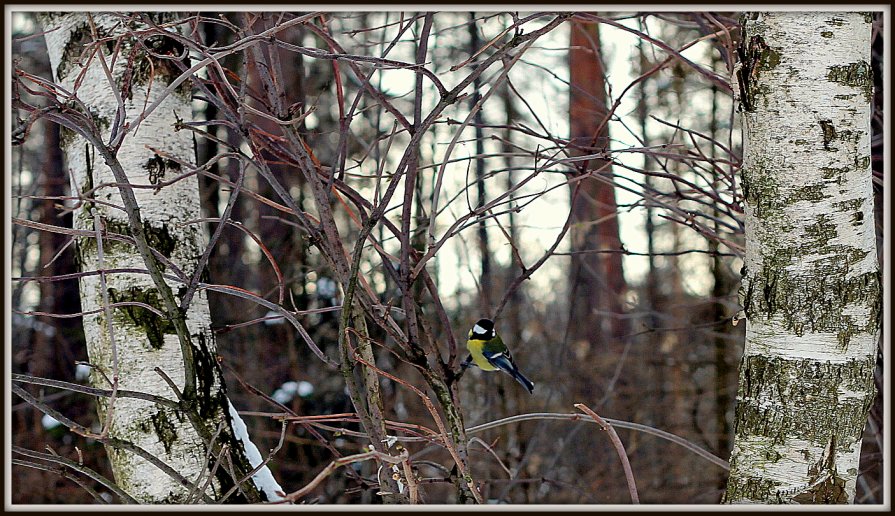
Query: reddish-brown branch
{"type": "Point", "coordinates": [619, 448]}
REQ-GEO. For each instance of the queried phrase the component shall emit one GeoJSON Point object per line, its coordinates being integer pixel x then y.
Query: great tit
{"type": "Point", "coordinates": [487, 350]}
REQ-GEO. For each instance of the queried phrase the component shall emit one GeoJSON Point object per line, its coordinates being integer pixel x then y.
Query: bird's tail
{"type": "Point", "coordinates": [506, 363]}
{"type": "Point", "coordinates": [524, 381]}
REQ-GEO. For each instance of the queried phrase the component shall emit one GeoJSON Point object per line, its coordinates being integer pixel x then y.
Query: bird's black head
{"type": "Point", "coordinates": [483, 329]}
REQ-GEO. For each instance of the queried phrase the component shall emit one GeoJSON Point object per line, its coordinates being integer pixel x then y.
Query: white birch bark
{"type": "Point", "coordinates": [135, 341]}
{"type": "Point", "coordinates": [811, 286]}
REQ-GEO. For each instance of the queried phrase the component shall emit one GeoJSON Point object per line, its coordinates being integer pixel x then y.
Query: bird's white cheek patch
{"type": "Point", "coordinates": [478, 329]}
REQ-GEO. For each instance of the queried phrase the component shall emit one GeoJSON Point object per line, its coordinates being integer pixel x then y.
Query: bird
{"type": "Point", "coordinates": [489, 353]}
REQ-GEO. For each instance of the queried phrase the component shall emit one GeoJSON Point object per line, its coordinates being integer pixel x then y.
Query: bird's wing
{"type": "Point", "coordinates": [495, 349]}
{"type": "Point", "coordinates": [495, 346]}
{"type": "Point", "coordinates": [502, 359]}
{"type": "Point", "coordinates": [497, 354]}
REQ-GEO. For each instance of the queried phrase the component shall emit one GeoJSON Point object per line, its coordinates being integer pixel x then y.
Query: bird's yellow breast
{"type": "Point", "coordinates": [475, 349]}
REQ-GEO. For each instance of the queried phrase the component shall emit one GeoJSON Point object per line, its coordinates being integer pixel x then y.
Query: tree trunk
{"type": "Point", "coordinates": [597, 278]}
{"type": "Point", "coordinates": [55, 347]}
{"type": "Point", "coordinates": [596, 331]}
{"type": "Point", "coordinates": [811, 285]}
{"type": "Point", "coordinates": [478, 121]}
{"type": "Point", "coordinates": [129, 346]}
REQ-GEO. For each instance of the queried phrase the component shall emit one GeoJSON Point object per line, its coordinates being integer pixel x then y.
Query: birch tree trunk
{"type": "Point", "coordinates": [811, 286]}
{"type": "Point", "coordinates": [127, 343]}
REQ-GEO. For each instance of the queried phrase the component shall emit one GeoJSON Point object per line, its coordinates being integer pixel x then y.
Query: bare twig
{"type": "Point", "coordinates": [80, 468]}
{"type": "Point", "coordinates": [344, 461]}
{"type": "Point", "coordinates": [619, 448]}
